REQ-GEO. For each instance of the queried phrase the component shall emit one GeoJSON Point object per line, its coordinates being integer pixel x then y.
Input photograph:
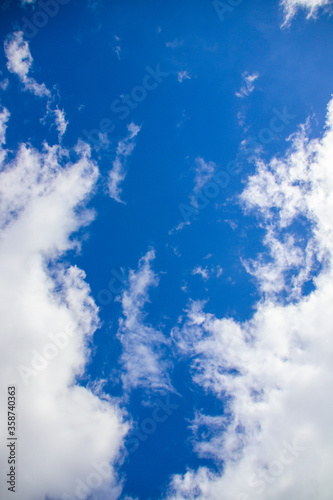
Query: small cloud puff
{"type": "Point", "coordinates": [4, 84]}
{"type": "Point", "coordinates": [206, 273]}
{"type": "Point", "coordinates": [61, 122]}
{"type": "Point", "coordinates": [248, 86]}
{"type": "Point", "coordinates": [183, 75]}
{"type": "Point", "coordinates": [201, 271]}
{"type": "Point", "coordinates": [204, 172]}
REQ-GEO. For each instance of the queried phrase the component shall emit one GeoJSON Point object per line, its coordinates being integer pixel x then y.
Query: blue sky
{"type": "Point", "coordinates": [166, 244]}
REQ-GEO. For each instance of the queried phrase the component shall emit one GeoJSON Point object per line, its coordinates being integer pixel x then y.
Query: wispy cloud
{"type": "Point", "coordinates": [4, 117]}
{"type": "Point", "coordinates": [60, 120]}
{"type": "Point", "coordinates": [207, 272]}
{"type": "Point", "coordinates": [280, 192]}
{"type": "Point", "coordinates": [312, 6]}
{"type": "Point", "coordinates": [19, 62]}
{"type": "Point", "coordinates": [4, 84]}
{"type": "Point", "coordinates": [204, 171]}
{"type": "Point", "coordinates": [183, 75]}
{"type": "Point", "coordinates": [117, 50]}
{"type": "Point", "coordinates": [118, 172]}
{"type": "Point", "coordinates": [175, 44]}
{"type": "Point", "coordinates": [117, 47]}
{"type": "Point", "coordinates": [143, 345]}
{"type": "Point", "coordinates": [201, 271]}
{"type": "Point", "coordinates": [248, 86]}
{"type": "Point", "coordinates": [179, 227]}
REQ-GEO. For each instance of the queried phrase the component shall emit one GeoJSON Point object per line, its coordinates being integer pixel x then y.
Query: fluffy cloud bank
{"type": "Point", "coordinates": [274, 373]}
{"type": "Point", "coordinates": [68, 438]}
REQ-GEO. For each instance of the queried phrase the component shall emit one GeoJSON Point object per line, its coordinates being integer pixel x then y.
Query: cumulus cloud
{"type": "Point", "coordinates": [312, 6]}
{"type": "Point", "coordinates": [19, 61]}
{"type": "Point", "coordinates": [118, 172]}
{"type": "Point", "coordinates": [274, 372]}
{"type": "Point", "coordinates": [143, 345]}
{"type": "Point", "coordinates": [48, 319]}
{"type": "Point", "coordinates": [248, 86]}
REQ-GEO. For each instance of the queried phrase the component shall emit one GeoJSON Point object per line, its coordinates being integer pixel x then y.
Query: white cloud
{"type": "Point", "coordinates": [201, 271]}
{"type": "Point", "coordinates": [208, 256]}
{"type": "Point", "coordinates": [280, 193]}
{"type": "Point", "coordinates": [19, 62]}
{"type": "Point", "coordinates": [287, 268]}
{"type": "Point", "coordinates": [4, 84]}
{"type": "Point", "coordinates": [248, 86]}
{"type": "Point", "coordinates": [117, 51]}
{"type": "Point", "coordinates": [118, 172]}
{"type": "Point", "coordinates": [273, 372]}
{"type": "Point", "coordinates": [48, 317]}
{"type": "Point", "coordinates": [203, 173]}
{"type": "Point", "coordinates": [18, 55]}
{"type": "Point", "coordinates": [183, 75]}
{"type": "Point", "coordinates": [178, 227]}
{"type": "Point", "coordinates": [60, 120]}
{"type": "Point", "coordinates": [291, 6]}
{"type": "Point", "coordinates": [142, 344]}
{"type": "Point", "coordinates": [219, 271]}
{"type": "Point", "coordinates": [4, 117]}
{"type": "Point", "coordinates": [117, 48]}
